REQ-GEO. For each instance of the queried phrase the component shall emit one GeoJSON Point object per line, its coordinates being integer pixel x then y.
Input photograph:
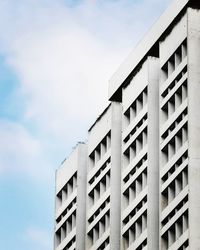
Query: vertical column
{"type": "Point", "coordinates": [81, 197]}
{"type": "Point", "coordinates": [115, 211]}
{"type": "Point", "coordinates": [194, 126]}
{"type": "Point", "coordinates": [153, 155]}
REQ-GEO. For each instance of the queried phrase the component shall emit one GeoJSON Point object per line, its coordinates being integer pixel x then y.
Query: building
{"type": "Point", "coordinates": [143, 156]}
{"type": "Point", "coordinates": [140, 161]}
{"type": "Point", "coordinates": [70, 202]}
{"type": "Point", "coordinates": [103, 180]}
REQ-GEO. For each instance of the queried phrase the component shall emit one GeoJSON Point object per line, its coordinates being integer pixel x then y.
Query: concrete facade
{"type": "Point", "coordinates": [140, 154]}
{"type": "Point", "coordinates": [194, 126]}
{"type": "Point", "coordinates": [174, 137]}
{"type": "Point", "coordinates": [98, 182]}
{"type": "Point", "coordinates": [103, 180]}
{"type": "Point", "coordinates": [139, 173]}
{"type": "Point", "coordinates": [70, 202]}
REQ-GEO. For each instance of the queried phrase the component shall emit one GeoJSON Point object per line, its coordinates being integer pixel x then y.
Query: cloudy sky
{"type": "Point", "coordinates": [56, 57]}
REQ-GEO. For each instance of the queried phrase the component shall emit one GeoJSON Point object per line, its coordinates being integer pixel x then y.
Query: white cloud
{"type": "Point", "coordinates": [39, 239]}
{"type": "Point", "coordinates": [64, 57]}
{"type": "Point", "coordinates": [22, 153]}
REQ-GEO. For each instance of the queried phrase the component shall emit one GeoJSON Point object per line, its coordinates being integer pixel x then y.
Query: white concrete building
{"type": "Point", "coordinates": [103, 180]}
{"type": "Point", "coordinates": [143, 157]}
{"type": "Point", "coordinates": [179, 133]}
{"type": "Point", "coordinates": [70, 202]}
{"type": "Point", "coordinates": [140, 157]}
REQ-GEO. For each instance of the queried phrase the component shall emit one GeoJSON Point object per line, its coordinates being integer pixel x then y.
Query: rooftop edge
{"type": "Point", "coordinates": [99, 117]}
{"type": "Point", "coordinates": [143, 47]}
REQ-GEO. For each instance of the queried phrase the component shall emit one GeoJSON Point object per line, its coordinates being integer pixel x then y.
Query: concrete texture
{"type": "Point", "coordinates": [115, 211]}
{"type": "Point", "coordinates": [194, 126]}
{"type": "Point", "coordinates": [70, 214]}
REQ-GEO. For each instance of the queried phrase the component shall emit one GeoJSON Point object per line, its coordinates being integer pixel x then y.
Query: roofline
{"type": "Point", "coordinates": [71, 152]}
{"type": "Point", "coordinates": [141, 50]}
{"type": "Point", "coordinates": [99, 117]}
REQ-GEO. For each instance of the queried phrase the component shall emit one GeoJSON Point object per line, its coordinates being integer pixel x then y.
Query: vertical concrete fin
{"type": "Point", "coordinates": [153, 154]}
{"type": "Point", "coordinates": [194, 126]}
{"type": "Point", "coordinates": [115, 211]}
{"type": "Point", "coordinates": [81, 197]}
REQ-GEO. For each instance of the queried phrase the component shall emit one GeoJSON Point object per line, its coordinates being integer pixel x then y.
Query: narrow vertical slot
{"type": "Point", "coordinates": [184, 91]}
{"type": "Point", "coordinates": [171, 65]}
{"type": "Point", "coordinates": [178, 229]}
{"type": "Point", "coordinates": [131, 232]}
{"type": "Point", "coordinates": [138, 228]}
{"type": "Point", "coordinates": [64, 193]}
{"type": "Point", "coordinates": [108, 141]}
{"type": "Point", "coordinates": [138, 186]}
{"type": "Point", "coordinates": [138, 105]}
{"type": "Point", "coordinates": [131, 194]}
{"type": "Point", "coordinates": [184, 49]}
{"type": "Point", "coordinates": [73, 220]}
{"type": "Point", "coordinates": [107, 221]}
{"type": "Point", "coordinates": [178, 185]}
{"type": "Point", "coordinates": [69, 187]}
{"type": "Point", "coordinates": [138, 144]}
{"type": "Point", "coordinates": [97, 154]}
{"type": "Point", "coordinates": [164, 73]}
{"type": "Point", "coordinates": [171, 235]}
{"type": "Point", "coordinates": [103, 147]}
{"type": "Point", "coordinates": [58, 200]}
{"type": "Point", "coordinates": [91, 162]}
{"type": "Point", "coordinates": [171, 192]}
{"type": "Point", "coordinates": [178, 99]}
{"type": "Point", "coordinates": [108, 180]}
{"type": "Point", "coordinates": [132, 112]}
{"type": "Point", "coordinates": [185, 221]}
{"type": "Point", "coordinates": [178, 57]}
{"type": "Point", "coordinates": [171, 106]}
{"type": "Point", "coordinates": [101, 227]}
{"type": "Point", "coordinates": [126, 120]}
{"type": "Point", "coordinates": [97, 193]}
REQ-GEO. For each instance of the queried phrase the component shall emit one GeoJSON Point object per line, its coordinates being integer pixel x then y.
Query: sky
{"type": "Point", "coordinates": [56, 58]}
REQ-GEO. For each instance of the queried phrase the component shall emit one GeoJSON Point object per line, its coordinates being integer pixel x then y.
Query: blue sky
{"type": "Point", "coordinates": [56, 57]}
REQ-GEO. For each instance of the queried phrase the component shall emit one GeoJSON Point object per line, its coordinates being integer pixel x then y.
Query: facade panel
{"type": "Point", "coordinates": [174, 138]}
{"type": "Point", "coordinates": [140, 168]}
{"type": "Point", "coordinates": [194, 126]}
{"type": "Point", "coordinates": [98, 183]}
{"type": "Point", "coordinates": [70, 207]}
{"type": "Point", "coordinates": [103, 210]}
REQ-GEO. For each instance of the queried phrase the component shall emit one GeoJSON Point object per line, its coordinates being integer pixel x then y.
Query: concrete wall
{"type": "Point", "coordinates": [76, 163]}
{"type": "Point", "coordinates": [81, 197]}
{"type": "Point", "coordinates": [67, 169]}
{"type": "Point", "coordinates": [135, 86]}
{"type": "Point", "coordinates": [96, 171]}
{"type": "Point", "coordinates": [173, 137]}
{"type": "Point", "coordinates": [99, 129]}
{"type": "Point", "coordinates": [153, 155]}
{"type": "Point", "coordinates": [194, 126]}
{"type": "Point", "coordinates": [173, 40]}
{"type": "Point", "coordinates": [145, 81]}
{"type": "Point", "coordinates": [115, 211]}
{"type": "Point", "coordinates": [110, 120]}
